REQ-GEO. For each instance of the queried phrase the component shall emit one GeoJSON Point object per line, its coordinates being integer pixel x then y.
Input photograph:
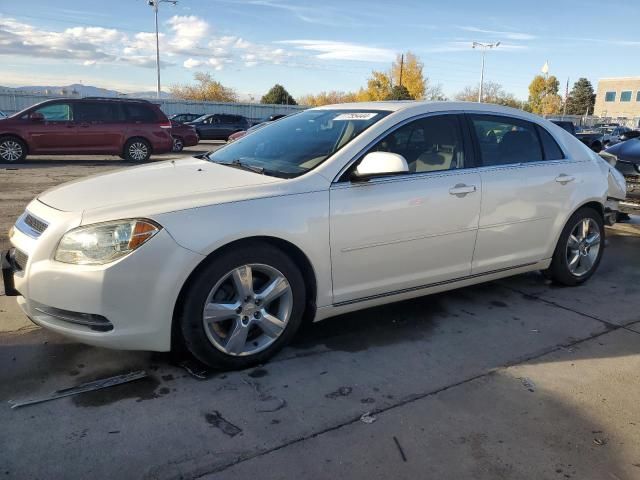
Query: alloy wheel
{"type": "Point", "coordinates": [583, 247]}
{"type": "Point", "coordinates": [248, 309]}
{"type": "Point", "coordinates": [178, 145]}
{"type": "Point", "coordinates": [138, 151]}
{"type": "Point", "coordinates": [10, 151]}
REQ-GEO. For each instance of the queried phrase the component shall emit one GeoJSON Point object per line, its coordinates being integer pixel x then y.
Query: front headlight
{"type": "Point", "coordinates": [104, 242]}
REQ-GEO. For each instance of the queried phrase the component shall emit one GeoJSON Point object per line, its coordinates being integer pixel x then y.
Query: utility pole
{"type": "Point", "coordinates": [566, 98]}
{"type": "Point", "coordinates": [484, 47]}
{"type": "Point", "coordinates": [401, 67]}
{"type": "Point", "coordinates": [154, 4]}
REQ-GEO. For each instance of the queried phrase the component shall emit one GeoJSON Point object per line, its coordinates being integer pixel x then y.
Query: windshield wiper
{"type": "Point", "coordinates": [237, 163]}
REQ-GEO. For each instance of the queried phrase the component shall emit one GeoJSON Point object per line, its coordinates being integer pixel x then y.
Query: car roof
{"type": "Point", "coordinates": [419, 107]}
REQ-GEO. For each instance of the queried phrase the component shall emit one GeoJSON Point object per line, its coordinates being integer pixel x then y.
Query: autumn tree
{"type": "Point", "coordinates": [407, 71]}
{"type": "Point", "coordinates": [206, 89]}
{"type": "Point", "coordinates": [581, 99]}
{"type": "Point", "coordinates": [278, 95]}
{"type": "Point", "coordinates": [543, 95]}
{"type": "Point", "coordinates": [327, 98]}
{"type": "Point", "coordinates": [399, 92]}
{"type": "Point", "coordinates": [492, 92]}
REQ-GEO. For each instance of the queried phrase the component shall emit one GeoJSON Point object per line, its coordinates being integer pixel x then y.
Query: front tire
{"type": "Point", "coordinates": [12, 150]}
{"type": "Point", "coordinates": [242, 307]}
{"type": "Point", "coordinates": [579, 249]}
{"type": "Point", "coordinates": [137, 150]}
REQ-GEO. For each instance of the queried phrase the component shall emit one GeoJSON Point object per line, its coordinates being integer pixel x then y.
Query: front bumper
{"type": "Point", "coordinates": [127, 304]}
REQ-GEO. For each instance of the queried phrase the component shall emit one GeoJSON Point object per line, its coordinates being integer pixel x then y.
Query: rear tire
{"type": "Point", "coordinates": [12, 150]}
{"type": "Point", "coordinates": [178, 145]}
{"type": "Point", "coordinates": [228, 317]}
{"type": "Point", "coordinates": [137, 150]}
{"type": "Point", "coordinates": [579, 249]}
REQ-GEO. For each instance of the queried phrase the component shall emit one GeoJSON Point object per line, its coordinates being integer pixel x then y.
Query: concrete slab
{"type": "Point", "coordinates": [334, 372]}
{"type": "Point", "coordinates": [606, 295]}
{"type": "Point", "coordinates": [574, 419]}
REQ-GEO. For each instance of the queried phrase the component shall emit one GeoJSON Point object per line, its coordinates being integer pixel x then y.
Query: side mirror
{"type": "Point", "coordinates": [378, 164]}
{"type": "Point", "coordinates": [36, 117]}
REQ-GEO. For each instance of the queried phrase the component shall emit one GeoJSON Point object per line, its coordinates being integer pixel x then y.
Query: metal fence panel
{"type": "Point", "coordinates": [12, 102]}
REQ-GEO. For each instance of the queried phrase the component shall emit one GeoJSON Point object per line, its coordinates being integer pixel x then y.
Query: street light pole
{"type": "Point", "coordinates": [484, 47]}
{"type": "Point", "coordinates": [154, 4]}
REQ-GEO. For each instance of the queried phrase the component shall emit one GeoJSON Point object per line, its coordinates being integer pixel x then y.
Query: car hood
{"type": "Point", "coordinates": [161, 186]}
{"type": "Point", "coordinates": [628, 150]}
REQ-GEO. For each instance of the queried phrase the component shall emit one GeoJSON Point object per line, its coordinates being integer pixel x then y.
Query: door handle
{"type": "Point", "coordinates": [564, 178]}
{"type": "Point", "coordinates": [461, 189]}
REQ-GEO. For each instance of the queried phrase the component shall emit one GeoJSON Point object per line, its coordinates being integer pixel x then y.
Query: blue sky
{"type": "Point", "coordinates": [313, 46]}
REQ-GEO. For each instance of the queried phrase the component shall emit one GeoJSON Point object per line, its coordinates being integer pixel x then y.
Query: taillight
{"type": "Point", "coordinates": [166, 124]}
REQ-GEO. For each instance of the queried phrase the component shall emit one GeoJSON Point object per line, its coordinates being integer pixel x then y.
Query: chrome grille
{"type": "Point", "coordinates": [31, 225]}
{"type": "Point", "coordinates": [20, 260]}
{"type": "Point", "coordinates": [35, 223]}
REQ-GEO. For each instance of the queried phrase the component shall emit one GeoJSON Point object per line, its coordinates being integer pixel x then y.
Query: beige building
{"type": "Point", "coordinates": [618, 97]}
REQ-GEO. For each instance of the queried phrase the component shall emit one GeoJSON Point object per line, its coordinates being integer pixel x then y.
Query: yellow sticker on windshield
{"type": "Point", "coordinates": [355, 116]}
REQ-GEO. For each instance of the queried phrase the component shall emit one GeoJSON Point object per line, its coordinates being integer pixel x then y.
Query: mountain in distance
{"type": "Point", "coordinates": [80, 90]}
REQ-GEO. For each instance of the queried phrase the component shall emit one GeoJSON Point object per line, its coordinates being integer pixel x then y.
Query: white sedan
{"type": "Point", "coordinates": [324, 212]}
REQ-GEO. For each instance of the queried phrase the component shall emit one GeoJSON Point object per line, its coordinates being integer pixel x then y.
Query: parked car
{"type": "Point", "coordinates": [332, 210]}
{"type": "Point", "coordinates": [592, 138]}
{"type": "Point", "coordinates": [612, 134]}
{"type": "Point", "coordinates": [183, 136]}
{"type": "Point", "coordinates": [184, 117]}
{"type": "Point", "coordinates": [567, 125]}
{"type": "Point", "coordinates": [242, 133]}
{"type": "Point", "coordinates": [219, 126]}
{"type": "Point", "coordinates": [132, 129]}
{"type": "Point", "coordinates": [628, 135]}
{"type": "Point", "coordinates": [626, 157]}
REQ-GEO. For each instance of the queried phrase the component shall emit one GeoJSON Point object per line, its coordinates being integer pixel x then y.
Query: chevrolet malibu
{"type": "Point", "coordinates": [324, 212]}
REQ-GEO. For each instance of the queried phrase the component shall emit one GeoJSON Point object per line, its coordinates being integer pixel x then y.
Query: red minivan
{"type": "Point", "coordinates": [131, 129]}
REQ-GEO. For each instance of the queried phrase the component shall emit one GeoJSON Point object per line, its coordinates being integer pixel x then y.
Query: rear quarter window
{"type": "Point", "coordinates": [140, 113]}
{"type": "Point", "coordinates": [550, 147]}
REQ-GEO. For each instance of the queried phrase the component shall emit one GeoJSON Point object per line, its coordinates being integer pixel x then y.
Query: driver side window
{"type": "Point", "coordinates": [429, 144]}
{"type": "Point", "coordinates": [58, 112]}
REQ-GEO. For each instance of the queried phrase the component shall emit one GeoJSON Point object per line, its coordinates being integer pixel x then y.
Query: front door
{"type": "Point", "coordinates": [527, 187]}
{"type": "Point", "coordinates": [56, 133]}
{"type": "Point", "coordinates": [405, 232]}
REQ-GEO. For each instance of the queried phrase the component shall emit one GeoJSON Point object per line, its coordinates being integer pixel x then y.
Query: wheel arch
{"type": "Point", "coordinates": [16, 136]}
{"type": "Point", "coordinates": [135, 137]}
{"type": "Point", "coordinates": [293, 251]}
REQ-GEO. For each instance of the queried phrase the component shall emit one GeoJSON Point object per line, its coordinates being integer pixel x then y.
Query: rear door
{"type": "Point", "coordinates": [527, 189]}
{"type": "Point", "coordinates": [56, 133]}
{"type": "Point", "coordinates": [99, 126]}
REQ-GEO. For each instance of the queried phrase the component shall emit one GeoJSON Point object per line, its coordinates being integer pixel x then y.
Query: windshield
{"type": "Point", "coordinates": [298, 143]}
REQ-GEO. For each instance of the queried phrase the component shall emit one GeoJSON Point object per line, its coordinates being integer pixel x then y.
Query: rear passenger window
{"type": "Point", "coordinates": [139, 113]}
{"type": "Point", "coordinates": [551, 149]}
{"type": "Point", "coordinates": [429, 144]}
{"type": "Point", "coordinates": [505, 140]}
{"type": "Point", "coordinates": [99, 112]}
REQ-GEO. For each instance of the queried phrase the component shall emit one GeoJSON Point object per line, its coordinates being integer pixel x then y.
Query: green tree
{"type": "Point", "coordinates": [206, 89]}
{"type": "Point", "coordinates": [412, 77]}
{"type": "Point", "coordinates": [581, 99]}
{"type": "Point", "coordinates": [399, 92]}
{"type": "Point", "coordinates": [492, 92]}
{"type": "Point", "coordinates": [543, 95]}
{"type": "Point", "coordinates": [278, 95]}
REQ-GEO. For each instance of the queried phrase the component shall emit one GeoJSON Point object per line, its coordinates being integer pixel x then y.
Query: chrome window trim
{"type": "Point", "coordinates": [29, 231]}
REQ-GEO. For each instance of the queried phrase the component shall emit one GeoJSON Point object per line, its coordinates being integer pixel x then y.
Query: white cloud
{"type": "Point", "coordinates": [500, 33]}
{"type": "Point", "coordinates": [332, 50]}
{"type": "Point", "coordinates": [187, 31]}
{"type": "Point", "coordinates": [192, 63]}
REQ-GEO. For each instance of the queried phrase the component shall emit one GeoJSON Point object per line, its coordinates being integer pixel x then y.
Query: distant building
{"type": "Point", "coordinates": [618, 97]}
